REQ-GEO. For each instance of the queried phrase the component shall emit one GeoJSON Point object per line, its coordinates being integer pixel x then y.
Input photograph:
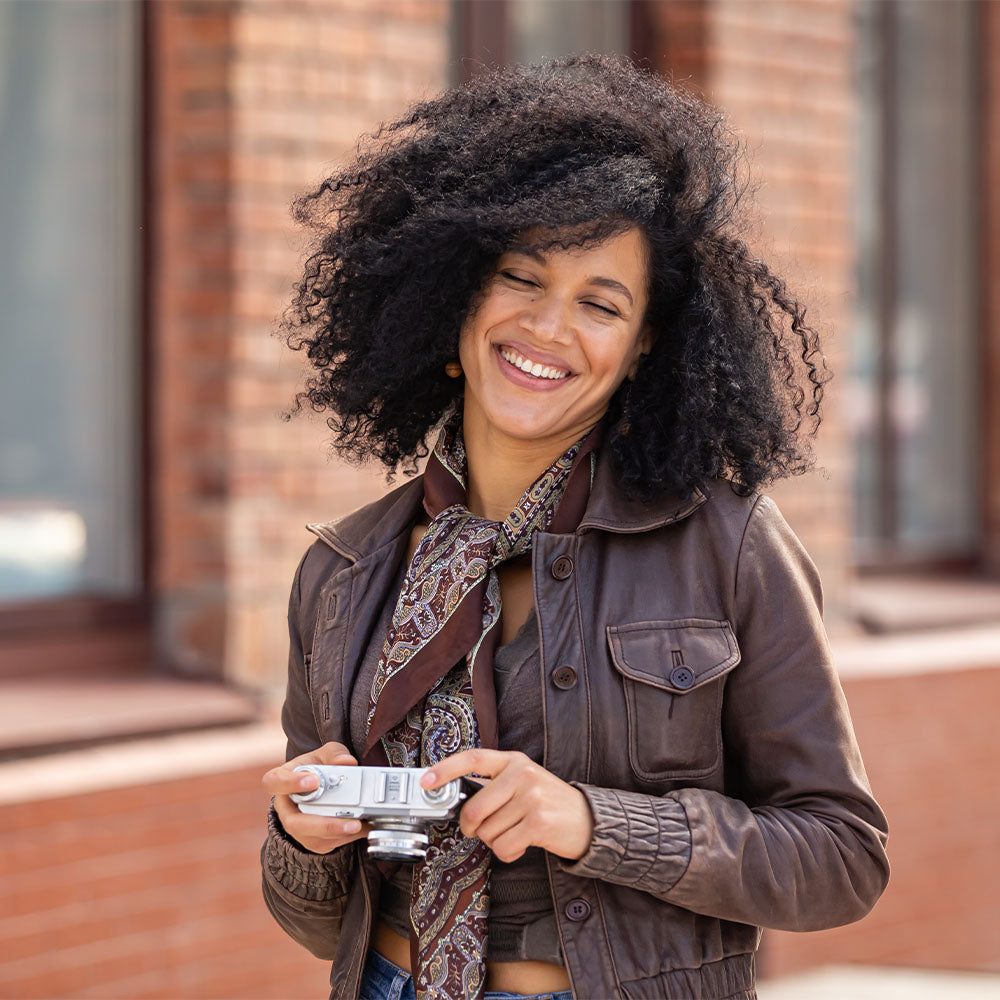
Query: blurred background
{"type": "Point", "coordinates": [153, 503]}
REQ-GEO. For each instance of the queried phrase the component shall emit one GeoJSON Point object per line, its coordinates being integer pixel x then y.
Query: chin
{"type": "Point", "coordinates": [520, 424]}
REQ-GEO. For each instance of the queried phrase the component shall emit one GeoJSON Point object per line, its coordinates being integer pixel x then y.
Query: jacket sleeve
{"type": "Point", "coordinates": [305, 892]}
{"type": "Point", "coordinates": [799, 842]}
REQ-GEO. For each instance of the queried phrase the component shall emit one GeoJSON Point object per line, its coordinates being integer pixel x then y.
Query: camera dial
{"type": "Point", "coordinates": [436, 794]}
{"type": "Point", "coordinates": [327, 782]}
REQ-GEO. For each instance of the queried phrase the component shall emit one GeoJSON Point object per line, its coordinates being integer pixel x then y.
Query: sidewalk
{"type": "Point", "coordinates": [871, 983]}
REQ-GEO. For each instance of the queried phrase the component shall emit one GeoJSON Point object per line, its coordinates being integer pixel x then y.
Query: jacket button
{"type": "Point", "coordinates": [562, 567]}
{"type": "Point", "coordinates": [564, 677]}
{"type": "Point", "coordinates": [682, 676]}
{"type": "Point", "coordinates": [577, 909]}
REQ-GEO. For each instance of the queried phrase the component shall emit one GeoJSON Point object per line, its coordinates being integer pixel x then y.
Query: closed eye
{"type": "Point", "coordinates": [510, 276]}
{"type": "Point", "coordinates": [604, 309]}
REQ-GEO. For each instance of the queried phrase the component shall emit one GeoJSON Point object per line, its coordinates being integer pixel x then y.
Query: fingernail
{"type": "Point", "coordinates": [308, 781]}
{"type": "Point", "coordinates": [428, 779]}
{"type": "Point", "coordinates": [352, 826]}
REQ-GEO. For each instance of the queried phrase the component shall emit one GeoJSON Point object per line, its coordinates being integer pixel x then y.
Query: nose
{"type": "Point", "coordinates": [547, 319]}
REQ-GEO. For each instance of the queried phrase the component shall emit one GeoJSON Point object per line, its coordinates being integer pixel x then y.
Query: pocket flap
{"type": "Point", "coordinates": [651, 652]}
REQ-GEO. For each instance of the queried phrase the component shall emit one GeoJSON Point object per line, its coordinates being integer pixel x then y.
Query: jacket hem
{"type": "Point", "coordinates": [731, 978]}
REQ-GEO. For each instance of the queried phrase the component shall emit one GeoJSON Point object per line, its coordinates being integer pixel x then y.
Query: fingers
{"type": "Point", "coordinates": [311, 826]}
{"type": "Point", "coordinates": [524, 805]}
{"type": "Point", "coordinates": [478, 761]}
{"type": "Point", "coordinates": [511, 844]}
{"type": "Point", "coordinates": [487, 802]}
{"type": "Point", "coordinates": [319, 834]}
{"type": "Point", "coordinates": [505, 831]}
{"type": "Point", "coordinates": [284, 779]}
{"type": "Point", "coordinates": [328, 753]}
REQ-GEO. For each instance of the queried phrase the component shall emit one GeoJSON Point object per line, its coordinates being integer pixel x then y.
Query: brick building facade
{"type": "Point", "coordinates": [148, 886]}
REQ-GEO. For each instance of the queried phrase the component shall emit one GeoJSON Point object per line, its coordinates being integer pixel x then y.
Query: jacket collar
{"type": "Point", "coordinates": [610, 510]}
{"type": "Point", "coordinates": [365, 531]}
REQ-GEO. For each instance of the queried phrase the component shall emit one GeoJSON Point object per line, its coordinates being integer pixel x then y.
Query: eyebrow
{"type": "Point", "coordinates": [615, 286]}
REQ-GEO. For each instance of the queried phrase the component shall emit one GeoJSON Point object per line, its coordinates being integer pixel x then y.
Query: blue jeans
{"type": "Point", "coordinates": [385, 981]}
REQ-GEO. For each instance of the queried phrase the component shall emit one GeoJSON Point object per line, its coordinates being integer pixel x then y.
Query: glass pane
{"type": "Point", "coordinates": [912, 403]}
{"type": "Point", "coordinates": [934, 400]}
{"type": "Point", "coordinates": [566, 27]}
{"type": "Point", "coordinates": [68, 270]}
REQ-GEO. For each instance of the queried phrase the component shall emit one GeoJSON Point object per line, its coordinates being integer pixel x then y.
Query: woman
{"type": "Point", "coordinates": [583, 601]}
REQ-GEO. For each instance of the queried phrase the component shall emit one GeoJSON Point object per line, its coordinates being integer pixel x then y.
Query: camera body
{"type": "Point", "coordinates": [390, 799]}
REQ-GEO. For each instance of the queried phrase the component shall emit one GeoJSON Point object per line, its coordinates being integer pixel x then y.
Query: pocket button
{"type": "Point", "coordinates": [682, 677]}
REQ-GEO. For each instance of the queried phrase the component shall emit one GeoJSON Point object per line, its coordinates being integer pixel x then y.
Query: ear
{"type": "Point", "coordinates": [643, 345]}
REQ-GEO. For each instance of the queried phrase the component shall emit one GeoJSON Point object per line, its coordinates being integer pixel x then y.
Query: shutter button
{"type": "Point", "coordinates": [682, 677]}
{"type": "Point", "coordinates": [577, 909]}
{"type": "Point", "coordinates": [564, 677]}
{"type": "Point", "coordinates": [562, 567]}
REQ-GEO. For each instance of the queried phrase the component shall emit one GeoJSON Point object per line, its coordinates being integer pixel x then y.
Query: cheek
{"type": "Point", "coordinates": [469, 336]}
{"type": "Point", "coordinates": [613, 359]}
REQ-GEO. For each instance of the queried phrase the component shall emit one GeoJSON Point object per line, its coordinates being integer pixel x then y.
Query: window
{"type": "Point", "coordinates": [914, 409]}
{"type": "Point", "coordinates": [496, 32]}
{"type": "Point", "coordinates": [70, 424]}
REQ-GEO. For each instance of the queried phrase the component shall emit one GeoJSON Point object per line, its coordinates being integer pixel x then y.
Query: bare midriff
{"type": "Point", "coordinates": [506, 977]}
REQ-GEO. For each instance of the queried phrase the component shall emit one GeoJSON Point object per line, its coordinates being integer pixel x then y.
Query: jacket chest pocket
{"type": "Point", "coordinates": [673, 673]}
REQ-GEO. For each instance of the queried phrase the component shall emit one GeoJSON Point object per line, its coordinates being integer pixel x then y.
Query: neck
{"type": "Point", "coordinates": [502, 468]}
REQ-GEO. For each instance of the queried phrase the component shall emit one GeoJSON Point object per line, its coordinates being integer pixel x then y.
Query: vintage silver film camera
{"type": "Point", "coordinates": [390, 799]}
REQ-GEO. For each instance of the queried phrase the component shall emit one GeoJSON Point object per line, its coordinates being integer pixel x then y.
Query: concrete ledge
{"type": "Point", "coordinates": [931, 651]}
{"type": "Point", "coordinates": [51, 713]}
{"type": "Point", "coordinates": [122, 765]}
{"type": "Point", "coordinates": [876, 983]}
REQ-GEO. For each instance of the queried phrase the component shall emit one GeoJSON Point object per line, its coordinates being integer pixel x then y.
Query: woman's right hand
{"type": "Point", "coordinates": [319, 834]}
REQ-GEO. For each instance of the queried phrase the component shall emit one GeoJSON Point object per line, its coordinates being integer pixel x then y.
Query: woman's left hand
{"type": "Point", "coordinates": [522, 806]}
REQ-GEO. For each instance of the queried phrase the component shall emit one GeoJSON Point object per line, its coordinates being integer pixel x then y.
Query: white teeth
{"type": "Point", "coordinates": [535, 368]}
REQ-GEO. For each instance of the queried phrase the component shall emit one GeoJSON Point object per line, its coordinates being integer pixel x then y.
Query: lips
{"type": "Point", "coordinates": [536, 367]}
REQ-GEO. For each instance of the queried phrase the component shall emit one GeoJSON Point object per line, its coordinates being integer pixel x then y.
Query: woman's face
{"type": "Point", "coordinates": [554, 336]}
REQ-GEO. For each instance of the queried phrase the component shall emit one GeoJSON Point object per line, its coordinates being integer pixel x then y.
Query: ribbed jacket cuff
{"type": "Point", "coordinates": [316, 877]}
{"type": "Point", "coordinates": [639, 840]}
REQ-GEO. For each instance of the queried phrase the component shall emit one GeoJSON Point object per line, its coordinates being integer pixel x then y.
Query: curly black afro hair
{"type": "Point", "coordinates": [583, 147]}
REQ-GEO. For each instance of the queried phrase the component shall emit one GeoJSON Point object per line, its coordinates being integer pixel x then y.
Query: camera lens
{"type": "Point", "coordinates": [397, 845]}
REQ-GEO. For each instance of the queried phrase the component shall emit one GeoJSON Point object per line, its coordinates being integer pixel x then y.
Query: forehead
{"type": "Point", "coordinates": [625, 252]}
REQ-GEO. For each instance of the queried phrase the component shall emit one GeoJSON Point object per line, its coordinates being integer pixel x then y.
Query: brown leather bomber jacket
{"type": "Point", "coordinates": [726, 797]}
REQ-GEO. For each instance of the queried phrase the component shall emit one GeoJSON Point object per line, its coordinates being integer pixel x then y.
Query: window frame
{"type": "Point", "coordinates": [883, 554]}
{"type": "Point", "coordinates": [479, 26]}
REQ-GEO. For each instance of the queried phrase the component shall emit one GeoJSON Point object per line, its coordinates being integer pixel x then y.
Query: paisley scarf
{"type": "Point", "coordinates": [433, 692]}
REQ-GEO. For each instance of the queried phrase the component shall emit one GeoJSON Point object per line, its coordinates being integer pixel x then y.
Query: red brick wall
{"type": "Point", "coordinates": [672, 37]}
{"type": "Point", "coordinates": [150, 891]}
{"type": "Point", "coordinates": [931, 745]}
{"type": "Point", "coordinates": [191, 299]}
{"type": "Point", "coordinates": [253, 102]}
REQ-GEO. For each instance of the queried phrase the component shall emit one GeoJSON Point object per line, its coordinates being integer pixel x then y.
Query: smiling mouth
{"type": "Point", "coordinates": [533, 368]}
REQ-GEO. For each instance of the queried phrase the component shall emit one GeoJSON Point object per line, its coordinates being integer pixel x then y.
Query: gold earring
{"type": "Point", "coordinates": [453, 369]}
